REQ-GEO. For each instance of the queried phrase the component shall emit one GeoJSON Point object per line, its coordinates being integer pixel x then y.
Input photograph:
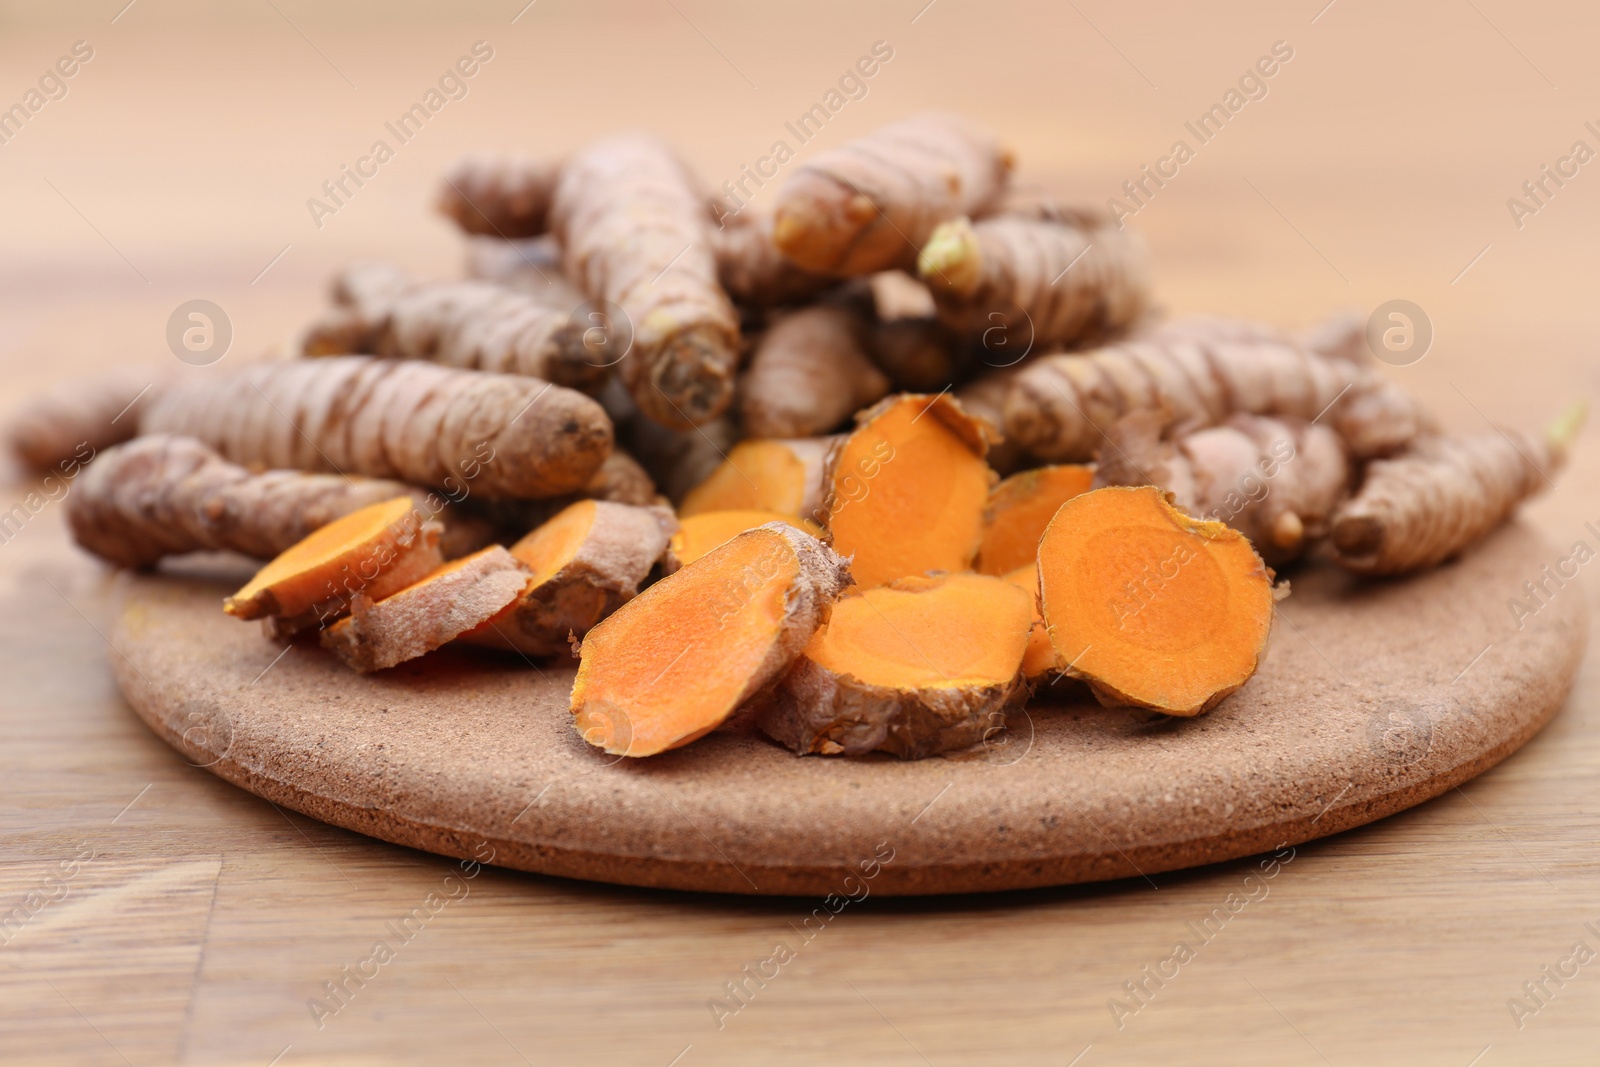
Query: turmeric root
{"type": "Point", "coordinates": [1151, 607]}
{"type": "Point", "coordinates": [161, 495]}
{"type": "Point", "coordinates": [679, 460]}
{"type": "Point", "coordinates": [1039, 658]}
{"type": "Point", "coordinates": [635, 233]}
{"type": "Point", "coordinates": [673, 663]}
{"type": "Point", "coordinates": [63, 427]}
{"type": "Point", "coordinates": [427, 614]}
{"type": "Point", "coordinates": [914, 668]}
{"type": "Point", "coordinates": [1020, 508]}
{"type": "Point", "coordinates": [871, 203]}
{"type": "Point", "coordinates": [699, 534]}
{"type": "Point", "coordinates": [508, 196]}
{"type": "Point", "coordinates": [985, 397]}
{"type": "Point", "coordinates": [475, 325]}
{"type": "Point", "coordinates": [906, 489]}
{"type": "Point", "coordinates": [903, 336]}
{"type": "Point", "coordinates": [752, 269]}
{"type": "Point", "coordinates": [1041, 282]}
{"type": "Point", "coordinates": [497, 435]}
{"type": "Point", "coordinates": [620, 480]}
{"type": "Point", "coordinates": [586, 563]}
{"type": "Point", "coordinates": [374, 552]}
{"type": "Point", "coordinates": [1444, 494]}
{"type": "Point", "coordinates": [531, 265]}
{"type": "Point", "coordinates": [1060, 404]}
{"type": "Point", "coordinates": [765, 475]}
{"type": "Point", "coordinates": [1274, 480]}
{"type": "Point", "coordinates": [808, 375]}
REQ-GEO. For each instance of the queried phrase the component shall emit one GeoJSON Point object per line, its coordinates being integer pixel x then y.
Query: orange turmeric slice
{"type": "Point", "coordinates": [1019, 509]}
{"type": "Point", "coordinates": [699, 534]}
{"type": "Point", "coordinates": [1039, 659]}
{"type": "Point", "coordinates": [918, 667]}
{"type": "Point", "coordinates": [675, 661]}
{"type": "Point", "coordinates": [765, 475]}
{"type": "Point", "coordinates": [426, 615]}
{"type": "Point", "coordinates": [1149, 606]}
{"type": "Point", "coordinates": [906, 489]}
{"type": "Point", "coordinates": [586, 563]}
{"type": "Point", "coordinates": [374, 551]}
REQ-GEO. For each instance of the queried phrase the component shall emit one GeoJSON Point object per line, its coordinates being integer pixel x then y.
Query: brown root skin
{"type": "Point", "coordinates": [1052, 282]}
{"type": "Point", "coordinates": [784, 476]}
{"type": "Point", "coordinates": [346, 558]}
{"type": "Point", "coordinates": [1018, 511]}
{"type": "Point", "coordinates": [529, 265]}
{"type": "Point", "coordinates": [911, 697]}
{"type": "Point", "coordinates": [635, 232]}
{"type": "Point", "coordinates": [1276, 481]}
{"type": "Point", "coordinates": [675, 662]}
{"type": "Point", "coordinates": [752, 269]}
{"type": "Point", "coordinates": [425, 616]}
{"type": "Point", "coordinates": [868, 205]}
{"type": "Point", "coordinates": [463, 432]}
{"type": "Point", "coordinates": [1151, 607]}
{"type": "Point", "coordinates": [1201, 376]}
{"type": "Point", "coordinates": [985, 397]}
{"type": "Point", "coordinates": [679, 460]}
{"type": "Point", "coordinates": [161, 495]}
{"type": "Point", "coordinates": [1442, 496]}
{"type": "Point", "coordinates": [621, 479]}
{"type": "Point", "coordinates": [62, 428]}
{"type": "Point", "coordinates": [502, 196]}
{"type": "Point", "coordinates": [808, 375]}
{"type": "Point", "coordinates": [577, 581]}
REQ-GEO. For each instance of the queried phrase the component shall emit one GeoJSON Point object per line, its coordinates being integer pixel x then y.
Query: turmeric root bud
{"type": "Point", "coordinates": [1151, 607]}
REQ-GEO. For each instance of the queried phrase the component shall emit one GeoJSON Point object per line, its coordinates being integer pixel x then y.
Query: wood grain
{"type": "Point", "coordinates": [1377, 167]}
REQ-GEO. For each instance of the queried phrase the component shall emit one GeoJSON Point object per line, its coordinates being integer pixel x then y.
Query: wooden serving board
{"type": "Point", "coordinates": [1373, 697]}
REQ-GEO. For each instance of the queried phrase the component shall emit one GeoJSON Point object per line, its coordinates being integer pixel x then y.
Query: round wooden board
{"type": "Point", "coordinates": [1373, 697]}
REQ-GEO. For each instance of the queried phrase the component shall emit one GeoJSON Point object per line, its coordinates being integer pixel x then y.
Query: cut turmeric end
{"type": "Point", "coordinates": [1020, 508]}
{"type": "Point", "coordinates": [1039, 659]}
{"type": "Point", "coordinates": [358, 547]}
{"type": "Point", "coordinates": [1149, 606]}
{"type": "Point", "coordinates": [699, 534]}
{"type": "Point", "coordinates": [918, 667]}
{"type": "Point", "coordinates": [422, 617]}
{"type": "Point", "coordinates": [906, 489]}
{"type": "Point", "coordinates": [784, 476]}
{"type": "Point", "coordinates": [674, 662]}
{"type": "Point", "coordinates": [549, 548]}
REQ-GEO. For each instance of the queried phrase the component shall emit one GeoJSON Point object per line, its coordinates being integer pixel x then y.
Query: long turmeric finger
{"type": "Point", "coordinates": [428, 613]}
{"type": "Point", "coordinates": [906, 489]}
{"type": "Point", "coordinates": [674, 662]}
{"type": "Point", "coordinates": [62, 428]}
{"type": "Point", "coordinates": [1443, 495]}
{"type": "Point", "coordinates": [1019, 509]}
{"type": "Point", "coordinates": [497, 435]}
{"type": "Point", "coordinates": [765, 475]}
{"type": "Point", "coordinates": [808, 374]}
{"type": "Point", "coordinates": [915, 668]}
{"type": "Point", "coordinates": [1060, 404]}
{"type": "Point", "coordinates": [1274, 480]}
{"type": "Point", "coordinates": [161, 495]}
{"type": "Point", "coordinates": [1151, 607]}
{"type": "Point", "coordinates": [871, 203]}
{"type": "Point", "coordinates": [1043, 282]}
{"type": "Point", "coordinates": [620, 479]}
{"type": "Point", "coordinates": [373, 552]}
{"type": "Point", "coordinates": [586, 563]}
{"type": "Point", "coordinates": [508, 196]}
{"type": "Point", "coordinates": [699, 534]}
{"type": "Point", "coordinates": [635, 233]}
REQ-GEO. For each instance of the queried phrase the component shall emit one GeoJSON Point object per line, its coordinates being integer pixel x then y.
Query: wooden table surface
{"type": "Point", "coordinates": [187, 921]}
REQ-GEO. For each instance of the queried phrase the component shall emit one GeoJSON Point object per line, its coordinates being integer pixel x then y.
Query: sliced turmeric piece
{"type": "Point", "coordinates": [366, 552]}
{"type": "Point", "coordinates": [784, 476]}
{"type": "Point", "coordinates": [675, 661]}
{"type": "Point", "coordinates": [1019, 509]}
{"type": "Point", "coordinates": [426, 615]}
{"type": "Point", "coordinates": [1149, 606]}
{"type": "Point", "coordinates": [699, 534]}
{"type": "Point", "coordinates": [906, 489]}
{"type": "Point", "coordinates": [586, 563]}
{"type": "Point", "coordinates": [1039, 659]}
{"type": "Point", "coordinates": [915, 668]}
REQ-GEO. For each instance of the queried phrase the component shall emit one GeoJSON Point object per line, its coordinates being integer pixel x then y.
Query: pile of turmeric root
{"type": "Point", "coordinates": [874, 465]}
